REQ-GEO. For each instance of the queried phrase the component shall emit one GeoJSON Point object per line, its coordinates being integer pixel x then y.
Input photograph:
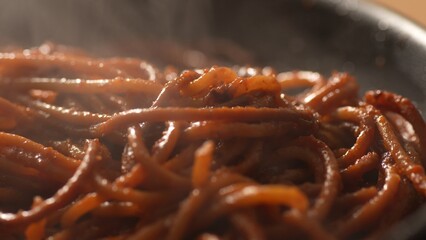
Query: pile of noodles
{"type": "Point", "coordinates": [116, 149]}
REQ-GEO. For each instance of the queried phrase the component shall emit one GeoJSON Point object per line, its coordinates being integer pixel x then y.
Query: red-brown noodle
{"type": "Point", "coordinates": [114, 149]}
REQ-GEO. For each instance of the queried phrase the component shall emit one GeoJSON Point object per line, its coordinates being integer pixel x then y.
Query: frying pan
{"type": "Point", "coordinates": [382, 49]}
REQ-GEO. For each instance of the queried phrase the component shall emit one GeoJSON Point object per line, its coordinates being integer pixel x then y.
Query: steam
{"type": "Point", "coordinates": [100, 25]}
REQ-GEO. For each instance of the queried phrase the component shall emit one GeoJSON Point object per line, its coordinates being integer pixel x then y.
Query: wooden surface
{"type": "Point", "coordinates": [414, 9]}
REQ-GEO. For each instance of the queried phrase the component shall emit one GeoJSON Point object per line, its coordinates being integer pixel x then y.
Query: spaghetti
{"type": "Point", "coordinates": [113, 149]}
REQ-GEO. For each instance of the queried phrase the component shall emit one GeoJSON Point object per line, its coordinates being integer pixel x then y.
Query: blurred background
{"type": "Point", "coordinates": [414, 9]}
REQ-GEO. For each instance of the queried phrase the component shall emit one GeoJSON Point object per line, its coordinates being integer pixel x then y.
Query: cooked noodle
{"type": "Point", "coordinates": [96, 148]}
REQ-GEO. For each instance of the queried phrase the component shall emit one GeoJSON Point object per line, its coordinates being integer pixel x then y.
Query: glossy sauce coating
{"type": "Point", "coordinates": [95, 148]}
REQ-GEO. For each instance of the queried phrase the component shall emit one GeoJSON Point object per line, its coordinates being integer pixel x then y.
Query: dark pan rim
{"type": "Point", "coordinates": [391, 19]}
